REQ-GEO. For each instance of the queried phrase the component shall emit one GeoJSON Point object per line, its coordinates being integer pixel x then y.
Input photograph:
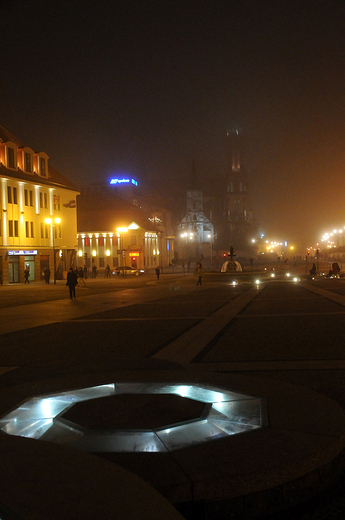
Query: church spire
{"type": "Point", "coordinates": [194, 183]}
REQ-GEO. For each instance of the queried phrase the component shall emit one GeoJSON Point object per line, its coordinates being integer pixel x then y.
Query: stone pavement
{"type": "Point", "coordinates": [267, 341]}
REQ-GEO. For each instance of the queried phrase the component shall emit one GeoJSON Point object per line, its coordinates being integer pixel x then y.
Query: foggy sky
{"type": "Point", "coordinates": [142, 87]}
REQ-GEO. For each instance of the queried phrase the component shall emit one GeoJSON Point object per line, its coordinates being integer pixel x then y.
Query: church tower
{"type": "Point", "coordinates": [236, 211]}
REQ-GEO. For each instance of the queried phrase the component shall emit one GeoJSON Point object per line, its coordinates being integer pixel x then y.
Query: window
{"type": "Point", "coordinates": [115, 241]}
{"type": "Point", "coordinates": [57, 231]}
{"type": "Point", "coordinates": [27, 162]}
{"type": "Point", "coordinates": [15, 198]}
{"type": "Point", "coordinates": [45, 200]}
{"type": "Point", "coordinates": [10, 228]}
{"type": "Point", "coordinates": [101, 241]}
{"type": "Point", "coordinates": [32, 234]}
{"type": "Point", "coordinates": [115, 262]}
{"type": "Point", "coordinates": [27, 230]}
{"type": "Point", "coordinates": [26, 197]}
{"type": "Point", "coordinates": [16, 228]}
{"type": "Point", "coordinates": [43, 167]}
{"type": "Point", "coordinates": [31, 198]}
{"type": "Point", "coordinates": [10, 158]}
{"type": "Point", "coordinates": [41, 200]}
{"type": "Point", "coordinates": [101, 262]}
{"type": "Point", "coordinates": [44, 230]}
{"type": "Point", "coordinates": [9, 194]}
{"type": "Point", "coordinates": [87, 241]}
{"type": "Point", "coordinates": [56, 202]}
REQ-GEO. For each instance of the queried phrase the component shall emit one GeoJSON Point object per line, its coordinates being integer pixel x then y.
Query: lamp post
{"type": "Point", "coordinates": [53, 223]}
{"type": "Point", "coordinates": [120, 233]}
{"type": "Point", "coordinates": [211, 237]}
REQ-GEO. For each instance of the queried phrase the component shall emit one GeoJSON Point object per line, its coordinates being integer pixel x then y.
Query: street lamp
{"type": "Point", "coordinates": [210, 237]}
{"type": "Point", "coordinates": [120, 233]}
{"type": "Point", "coordinates": [53, 223]}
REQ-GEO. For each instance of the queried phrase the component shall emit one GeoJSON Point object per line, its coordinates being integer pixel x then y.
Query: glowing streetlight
{"type": "Point", "coordinates": [53, 222]}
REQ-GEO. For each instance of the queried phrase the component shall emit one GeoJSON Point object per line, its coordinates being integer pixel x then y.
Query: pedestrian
{"type": "Point", "coordinates": [85, 272]}
{"type": "Point", "coordinates": [107, 272]}
{"type": "Point", "coordinates": [81, 275]}
{"type": "Point", "coordinates": [47, 274]}
{"type": "Point", "coordinates": [199, 274]}
{"type": "Point", "coordinates": [26, 275]}
{"type": "Point", "coordinates": [158, 272]}
{"type": "Point", "coordinates": [94, 271]}
{"type": "Point", "coordinates": [72, 281]}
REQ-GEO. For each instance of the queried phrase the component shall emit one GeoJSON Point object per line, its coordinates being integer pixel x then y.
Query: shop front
{"type": "Point", "coordinates": [18, 261]}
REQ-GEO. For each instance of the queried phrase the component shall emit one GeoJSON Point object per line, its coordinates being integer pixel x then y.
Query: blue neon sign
{"type": "Point", "coordinates": [124, 181]}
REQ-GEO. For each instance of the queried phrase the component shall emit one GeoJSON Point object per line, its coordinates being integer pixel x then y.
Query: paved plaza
{"type": "Point", "coordinates": [275, 345]}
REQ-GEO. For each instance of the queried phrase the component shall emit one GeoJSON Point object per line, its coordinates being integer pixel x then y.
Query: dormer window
{"type": "Point", "coordinates": [25, 159]}
{"type": "Point", "coordinates": [10, 158]}
{"type": "Point", "coordinates": [27, 162]}
{"type": "Point", "coordinates": [43, 167]}
{"type": "Point", "coordinates": [41, 164]}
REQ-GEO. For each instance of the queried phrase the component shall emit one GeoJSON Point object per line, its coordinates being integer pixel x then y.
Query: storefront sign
{"type": "Point", "coordinates": [23, 252]}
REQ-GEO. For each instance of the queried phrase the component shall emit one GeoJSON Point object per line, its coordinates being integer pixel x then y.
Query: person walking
{"type": "Point", "coordinates": [199, 274]}
{"type": "Point", "coordinates": [26, 275]}
{"type": "Point", "coordinates": [158, 272]}
{"type": "Point", "coordinates": [72, 281]}
{"type": "Point", "coordinates": [107, 272]}
{"type": "Point", "coordinates": [47, 274]}
{"type": "Point", "coordinates": [81, 275]}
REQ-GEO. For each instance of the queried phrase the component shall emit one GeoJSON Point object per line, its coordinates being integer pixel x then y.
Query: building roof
{"type": "Point", "coordinates": [55, 178]}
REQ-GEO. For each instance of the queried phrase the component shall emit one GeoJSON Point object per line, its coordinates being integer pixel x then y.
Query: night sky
{"type": "Point", "coordinates": [141, 88]}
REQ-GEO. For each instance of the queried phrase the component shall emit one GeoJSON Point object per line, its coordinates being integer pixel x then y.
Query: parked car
{"type": "Point", "coordinates": [127, 270]}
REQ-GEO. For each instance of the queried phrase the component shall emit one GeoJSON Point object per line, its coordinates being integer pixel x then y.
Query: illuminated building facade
{"type": "Point", "coordinates": [115, 232]}
{"type": "Point", "coordinates": [37, 214]}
